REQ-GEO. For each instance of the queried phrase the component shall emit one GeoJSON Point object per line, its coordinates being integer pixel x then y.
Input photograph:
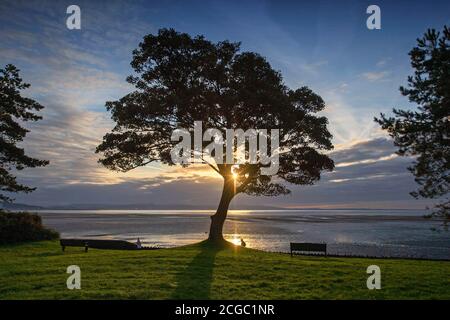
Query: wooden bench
{"type": "Point", "coordinates": [97, 244]}
{"type": "Point", "coordinates": [309, 247]}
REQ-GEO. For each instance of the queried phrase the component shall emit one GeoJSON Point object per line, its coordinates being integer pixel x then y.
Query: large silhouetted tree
{"type": "Point", "coordinates": [425, 133]}
{"type": "Point", "coordinates": [180, 79]}
{"type": "Point", "coordinates": [14, 109]}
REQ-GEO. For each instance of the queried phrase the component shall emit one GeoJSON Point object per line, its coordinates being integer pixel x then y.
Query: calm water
{"type": "Point", "coordinates": [397, 233]}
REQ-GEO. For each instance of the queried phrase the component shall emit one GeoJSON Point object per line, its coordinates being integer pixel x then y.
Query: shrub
{"type": "Point", "coordinates": [23, 226]}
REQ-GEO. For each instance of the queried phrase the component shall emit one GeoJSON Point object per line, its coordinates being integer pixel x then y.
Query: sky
{"type": "Point", "coordinates": [324, 45]}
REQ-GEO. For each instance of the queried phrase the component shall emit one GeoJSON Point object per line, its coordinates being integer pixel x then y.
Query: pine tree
{"type": "Point", "coordinates": [14, 109]}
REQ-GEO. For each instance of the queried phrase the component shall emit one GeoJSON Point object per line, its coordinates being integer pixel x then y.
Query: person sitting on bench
{"type": "Point", "coordinates": [138, 244]}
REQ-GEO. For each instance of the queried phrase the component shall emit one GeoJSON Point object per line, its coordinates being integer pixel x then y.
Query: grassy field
{"type": "Point", "coordinates": [38, 271]}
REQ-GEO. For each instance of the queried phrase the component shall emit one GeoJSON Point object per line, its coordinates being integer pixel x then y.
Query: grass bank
{"type": "Point", "coordinates": [38, 271]}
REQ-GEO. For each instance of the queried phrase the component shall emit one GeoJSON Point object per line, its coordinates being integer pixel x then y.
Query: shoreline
{"type": "Point", "coordinates": [355, 234]}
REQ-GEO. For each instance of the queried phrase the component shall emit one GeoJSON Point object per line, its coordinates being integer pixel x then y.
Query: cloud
{"type": "Point", "coordinates": [345, 123]}
{"type": "Point", "coordinates": [313, 68]}
{"type": "Point", "coordinates": [385, 158]}
{"type": "Point", "coordinates": [73, 74]}
{"type": "Point", "coordinates": [364, 150]}
{"type": "Point", "coordinates": [383, 62]}
{"type": "Point", "coordinates": [375, 76]}
{"type": "Point", "coordinates": [374, 180]}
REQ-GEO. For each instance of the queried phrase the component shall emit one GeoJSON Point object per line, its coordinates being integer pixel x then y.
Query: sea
{"type": "Point", "coordinates": [373, 233]}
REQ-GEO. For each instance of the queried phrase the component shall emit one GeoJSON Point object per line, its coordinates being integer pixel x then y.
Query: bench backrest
{"type": "Point", "coordinates": [98, 244]}
{"type": "Point", "coordinates": [319, 247]}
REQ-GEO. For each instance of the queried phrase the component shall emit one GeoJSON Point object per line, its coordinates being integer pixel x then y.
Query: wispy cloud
{"type": "Point", "coordinates": [375, 76]}
{"type": "Point", "coordinates": [365, 161]}
{"type": "Point", "coordinates": [383, 62]}
{"type": "Point", "coordinates": [314, 67]}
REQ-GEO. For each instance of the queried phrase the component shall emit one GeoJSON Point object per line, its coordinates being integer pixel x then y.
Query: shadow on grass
{"type": "Point", "coordinates": [194, 282]}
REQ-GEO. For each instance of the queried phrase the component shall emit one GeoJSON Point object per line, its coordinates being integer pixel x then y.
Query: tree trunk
{"type": "Point", "coordinates": [218, 219]}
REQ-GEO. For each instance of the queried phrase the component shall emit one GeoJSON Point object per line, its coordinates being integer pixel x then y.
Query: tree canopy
{"type": "Point", "coordinates": [14, 108]}
{"type": "Point", "coordinates": [425, 133]}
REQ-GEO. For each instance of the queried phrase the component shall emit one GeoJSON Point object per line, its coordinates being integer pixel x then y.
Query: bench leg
{"type": "Point", "coordinates": [63, 248]}
{"type": "Point", "coordinates": [86, 249]}
{"type": "Point", "coordinates": [291, 253]}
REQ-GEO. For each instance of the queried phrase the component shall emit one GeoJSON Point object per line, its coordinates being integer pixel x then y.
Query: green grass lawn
{"type": "Point", "coordinates": [38, 271]}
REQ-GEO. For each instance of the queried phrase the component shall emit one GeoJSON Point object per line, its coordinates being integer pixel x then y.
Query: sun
{"type": "Point", "coordinates": [234, 173]}
{"type": "Point", "coordinates": [236, 241]}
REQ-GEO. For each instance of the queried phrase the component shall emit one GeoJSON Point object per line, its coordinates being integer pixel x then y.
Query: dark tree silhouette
{"type": "Point", "coordinates": [180, 79]}
{"type": "Point", "coordinates": [425, 134]}
{"type": "Point", "coordinates": [14, 109]}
